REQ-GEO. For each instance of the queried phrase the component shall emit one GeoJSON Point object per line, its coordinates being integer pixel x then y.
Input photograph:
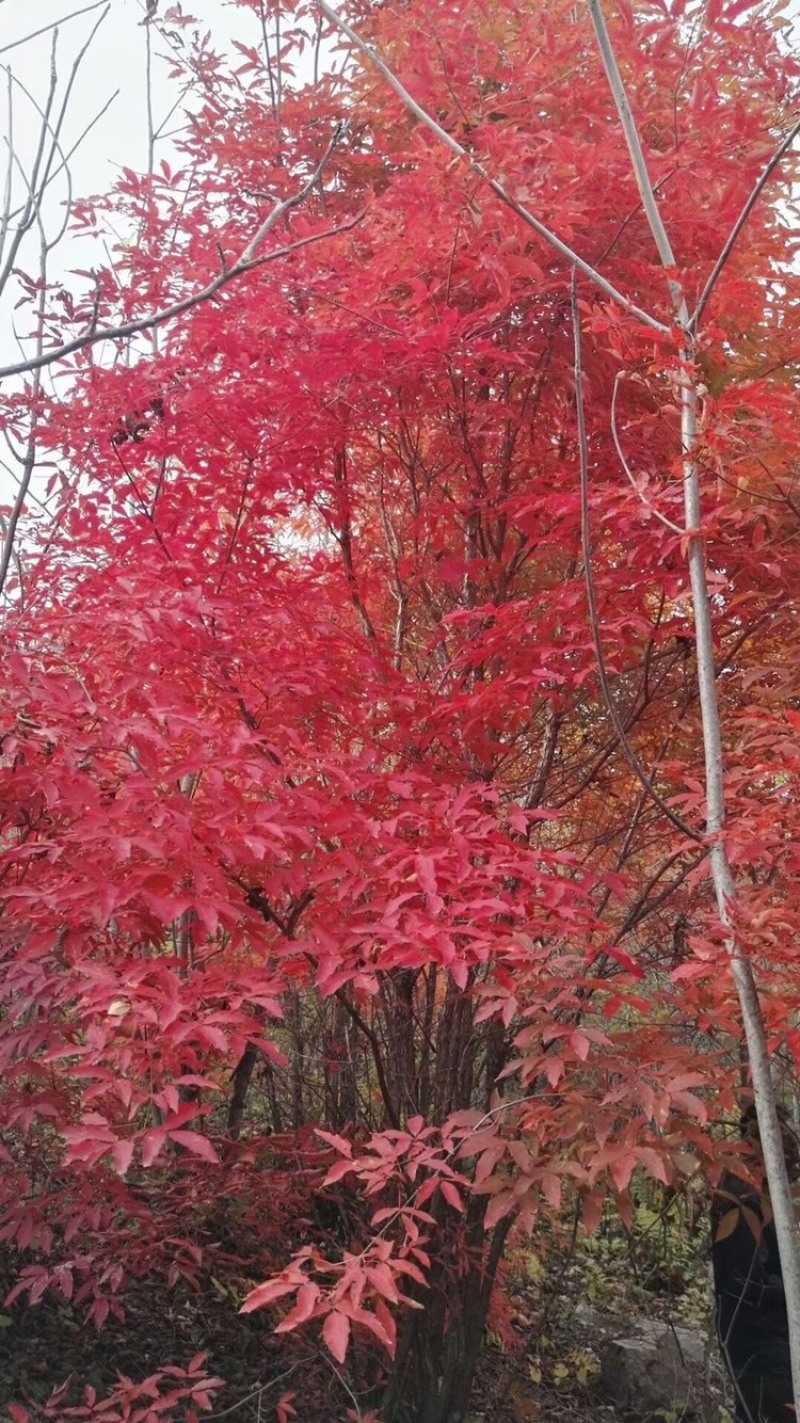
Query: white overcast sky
{"type": "Point", "coordinates": [116, 61]}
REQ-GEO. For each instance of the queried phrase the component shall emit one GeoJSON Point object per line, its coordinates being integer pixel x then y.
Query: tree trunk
{"type": "Point", "coordinates": [440, 1345]}
{"type": "Point", "coordinates": [294, 1021]}
{"type": "Point", "coordinates": [242, 1077]}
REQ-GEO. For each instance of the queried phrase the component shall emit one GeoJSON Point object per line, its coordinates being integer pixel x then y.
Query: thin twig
{"type": "Point", "coordinates": [278, 68]}
{"type": "Point", "coordinates": [20, 603]}
{"type": "Point", "coordinates": [358, 1415]}
{"type": "Point", "coordinates": [258, 1392]}
{"type": "Point", "coordinates": [29, 462]}
{"type": "Point", "coordinates": [66, 156]}
{"type": "Point", "coordinates": [9, 186]}
{"type": "Point", "coordinates": [372, 1038]}
{"type": "Point", "coordinates": [583, 453]}
{"type": "Point", "coordinates": [739, 224]}
{"type": "Point", "coordinates": [159, 133]}
{"type": "Point", "coordinates": [34, 200]}
{"type": "Point", "coordinates": [237, 524]}
{"type": "Point", "coordinates": [651, 508]}
{"type": "Point", "coordinates": [267, 57]}
{"type": "Point", "coordinates": [644, 906]}
{"type": "Point", "coordinates": [148, 82]}
{"type": "Point", "coordinates": [29, 210]}
{"type": "Point", "coordinates": [54, 25]}
{"type": "Point", "coordinates": [496, 187]}
{"type": "Point", "coordinates": [55, 133]}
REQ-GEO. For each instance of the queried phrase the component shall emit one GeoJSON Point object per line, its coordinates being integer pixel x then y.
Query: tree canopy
{"type": "Point", "coordinates": [331, 849]}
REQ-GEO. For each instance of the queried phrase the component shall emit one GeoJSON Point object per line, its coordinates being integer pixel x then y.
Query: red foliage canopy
{"type": "Point", "coordinates": [304, 753]}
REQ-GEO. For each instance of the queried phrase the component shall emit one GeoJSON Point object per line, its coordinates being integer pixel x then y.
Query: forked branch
{"type": "Point", "coordinates": [455, 147]}
{"type": "Point", "coordinates": [248, 261]}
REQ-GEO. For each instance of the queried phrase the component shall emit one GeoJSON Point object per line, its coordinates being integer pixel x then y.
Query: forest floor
{"type": "Point", "coordinates": [540, 1363]}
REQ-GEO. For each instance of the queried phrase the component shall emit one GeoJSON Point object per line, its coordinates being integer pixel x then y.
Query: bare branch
{"type": "Point", "coordinates": [151, 132]}
{"type": "Point", "coordinates": [10, 527]}
{"type": "Point", "coordinates": [8, 194]}
{"type": "Point", "coordinates": [161, 130]}
{"type": "Point", "coordinates": [273, 97]}
{"type": "Point", "coordinates": [29, 210]}
{"type": "Point", "coordinates": [246, 263]}
{"type": "Point", "coordinates": [33, 202]}
{"type": "Point", "coordinates": [65, 157]}
{"type": "Point", "coordinates": [455, 147]}
{"type": "Point", "coordinates": [54, 25]}
{"type": "Point", "coordinates": [70, 152]}
{"type": "Point", "coordinates": [29, 460]}
{"type": "Point", "coordinates": [73, 75]}
{"type": "Point", "coordinates": [37, 186]}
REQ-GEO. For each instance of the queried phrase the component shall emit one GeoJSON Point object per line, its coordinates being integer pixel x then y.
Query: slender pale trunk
{"type": "Point", "coordinates": [722, 877]}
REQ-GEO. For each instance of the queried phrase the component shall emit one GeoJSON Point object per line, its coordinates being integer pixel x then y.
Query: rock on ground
{"type": "Point", "coordinates": [655, 1369]}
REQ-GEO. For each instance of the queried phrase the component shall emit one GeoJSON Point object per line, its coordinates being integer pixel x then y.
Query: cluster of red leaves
{"type": "Point", "coordinates": [172, 1393]}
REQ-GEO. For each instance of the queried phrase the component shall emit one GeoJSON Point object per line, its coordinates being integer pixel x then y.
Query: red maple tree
{"type": "Point", "coordinates": [345, 822]}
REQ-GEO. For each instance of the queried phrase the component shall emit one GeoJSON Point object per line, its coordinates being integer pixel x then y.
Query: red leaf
{"type": "Point", "coordinates": [307, 1297]}
{"type": "Point", "coordinates": [451, 1195]}
{"type": "Point", "coordinates": [122, 1155]}
{"type": "Point", "coordinates": [152, 1145]}
{"type": "Point", "coordinates": [499, 1207]}
{"type": "Point", "coordinates": [653, 1164]}
{"type": "Point", "coordinates": [551, 1188]}
{"type": "Point", "coordinates": [592, 1213]}
{"type": "Point", "coordinates": [195, 1142]}
{"type": "Point", "coordinates": [267, 1293]}
{"type": "Point", "coordinates": [339, 1142]}
{"type": "Point", "coordinates": [622, 1168]}
{"type": "Point", "coordinates": [284, 1409]}
{"type": "Point", "coordinates": [336, 1334]}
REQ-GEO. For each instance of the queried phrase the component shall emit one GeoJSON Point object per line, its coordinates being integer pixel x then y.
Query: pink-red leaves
{"type": "Point", "coordinates": [451, 1195]}
{"type": "Point", "coordinates": [153, 1144]}
{"type": "Point", "coordinates": [305, 1304]}
{"type": "Point", "coordinates": [196, 1143]}
{"type": "Point", "coordinates": [269, 1292]}
{"type": "Point", "coordinates": [300, 712]}
{"type": "Point", "coordinates": [336, 1334]}
{"type": "Point", "coordinates": [122, 1155]}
